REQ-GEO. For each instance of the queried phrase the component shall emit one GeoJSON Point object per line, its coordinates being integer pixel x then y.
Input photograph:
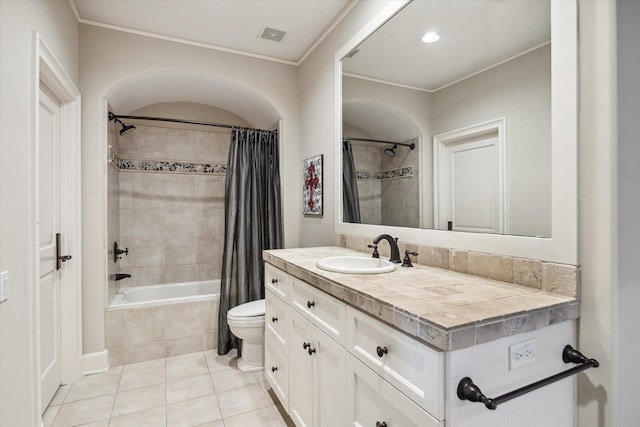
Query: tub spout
{"type": "Point", "coordinates": [119, 276]}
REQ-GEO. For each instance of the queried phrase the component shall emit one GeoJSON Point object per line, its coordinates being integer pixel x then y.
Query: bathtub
{"type": "Point", "coordinates": [148, 296]}
{"type": "Point", "coordinates": [156, 321]}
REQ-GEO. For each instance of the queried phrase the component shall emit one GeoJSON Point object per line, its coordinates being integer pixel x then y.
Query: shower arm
{"type": "Point", "coordinates": [188, 122]}
{"type": "Point", "coordinates": [380, 141]}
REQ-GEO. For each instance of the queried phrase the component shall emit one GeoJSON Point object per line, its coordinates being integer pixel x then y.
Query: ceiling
{"type": "Point", "coordinates": [475, 35]}
{"type": "Point", "coordinates": [232, 25]}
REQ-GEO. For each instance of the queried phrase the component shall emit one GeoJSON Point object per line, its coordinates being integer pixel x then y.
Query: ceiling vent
{"type": "Point", "coordinates": [352, 53]}
{"type": "Point", "coordinates": [272, 34]}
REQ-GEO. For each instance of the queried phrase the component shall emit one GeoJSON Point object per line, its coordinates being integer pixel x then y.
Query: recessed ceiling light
{"type": "Point", "coordinates": [430, 37]}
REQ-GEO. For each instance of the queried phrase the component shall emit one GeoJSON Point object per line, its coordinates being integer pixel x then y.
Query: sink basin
{"type": "Point", "coordinates": [355, 265]}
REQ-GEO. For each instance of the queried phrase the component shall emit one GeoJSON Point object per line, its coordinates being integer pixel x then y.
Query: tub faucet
{"type": "Point", "coordinates": [393, 244]}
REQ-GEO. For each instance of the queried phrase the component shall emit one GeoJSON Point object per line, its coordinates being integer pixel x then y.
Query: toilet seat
{"type": "Point", "coordinates": [249, 312]}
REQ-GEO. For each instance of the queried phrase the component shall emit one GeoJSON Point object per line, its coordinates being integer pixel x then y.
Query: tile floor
{"type": "Point", "coordinates": [197, 389]}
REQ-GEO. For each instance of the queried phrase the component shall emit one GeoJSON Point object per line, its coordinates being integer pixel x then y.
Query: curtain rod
{"type": "Point", "coordinates": [380, 141]}
{"type": "Point", "coordinates": [188, 122]}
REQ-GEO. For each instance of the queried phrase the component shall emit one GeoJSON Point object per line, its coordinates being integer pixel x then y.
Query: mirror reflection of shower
{"type": "Point", "coordinates": [386, 181]}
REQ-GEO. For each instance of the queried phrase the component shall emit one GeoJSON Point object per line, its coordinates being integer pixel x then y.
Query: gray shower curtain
{"type": "Point", "coordinates": [253, 222]}
{"type": "Point", "coordinates": [350, 199]}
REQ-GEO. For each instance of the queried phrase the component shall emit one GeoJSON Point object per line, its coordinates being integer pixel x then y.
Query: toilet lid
{"type": "Point", "coordinates": [249, 309]}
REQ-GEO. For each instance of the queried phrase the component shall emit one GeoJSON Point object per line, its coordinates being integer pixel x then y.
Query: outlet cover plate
{"type": "Point", "coordinates": [522, 353]}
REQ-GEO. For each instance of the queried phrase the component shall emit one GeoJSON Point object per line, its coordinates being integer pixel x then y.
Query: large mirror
{"type": "Point", "coordinates": [455, 133]}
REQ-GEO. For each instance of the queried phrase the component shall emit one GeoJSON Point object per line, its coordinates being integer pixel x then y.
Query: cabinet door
{"type": "Point", "coordinates": [276, 320]}
{"type": "Point", "coordinates": [330, 368]}
{"type": "Point", "coordinates": [324, 311]}
{"type": "Point", "coordinates": [300, 371]}
{"type": "Point", "coordinates": [412, 367]}
{"type": "Point", "coordinates": [375, 402]}
{"type": "Point", "coordinates": [276, 370]}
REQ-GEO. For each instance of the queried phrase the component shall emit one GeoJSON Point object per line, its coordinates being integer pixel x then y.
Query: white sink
{"type": "Point", "coordinates": [355, 265]}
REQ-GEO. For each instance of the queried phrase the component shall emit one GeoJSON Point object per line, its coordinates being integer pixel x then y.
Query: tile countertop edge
{"type": "Point", "coordinates": [422, 327]}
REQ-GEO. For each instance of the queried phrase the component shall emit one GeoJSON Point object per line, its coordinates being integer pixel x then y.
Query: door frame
{"type": "Point", "coordinates": [48, 70]}
{"type": "Point", "coordinates": [440, 142]}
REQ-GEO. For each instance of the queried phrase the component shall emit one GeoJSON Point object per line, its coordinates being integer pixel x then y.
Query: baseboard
{"type": "Point", "coordinates": [93, 363]}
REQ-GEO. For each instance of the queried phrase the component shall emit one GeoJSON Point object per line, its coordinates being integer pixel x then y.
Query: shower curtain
{"type": "Point", "coordinates": [253, 222]}
{"type": "Point", "coordinates": [350, 199]}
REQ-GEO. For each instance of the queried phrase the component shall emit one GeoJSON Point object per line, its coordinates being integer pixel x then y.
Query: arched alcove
{"type": "Point", "coordinates": [185, 86]}
{"type": "Point", "coordinates": [379, 120]}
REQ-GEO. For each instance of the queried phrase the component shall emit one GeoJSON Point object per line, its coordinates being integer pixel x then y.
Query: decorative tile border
{"type": "Point", "coordinates": [405, 172]}
{"type": "Point", "coordinates": [166, 166]}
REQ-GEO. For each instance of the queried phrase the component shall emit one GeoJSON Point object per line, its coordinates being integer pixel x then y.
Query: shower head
{"type": "Point", "coordinates": [125, 128]}
{"type": "Point", "coordinates": [391, 152]}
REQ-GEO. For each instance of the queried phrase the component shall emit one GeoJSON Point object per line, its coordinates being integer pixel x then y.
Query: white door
{"type": "Point", "coordinates": [48, 296]}
{"type": "Point", "coordinates": [471, 185]}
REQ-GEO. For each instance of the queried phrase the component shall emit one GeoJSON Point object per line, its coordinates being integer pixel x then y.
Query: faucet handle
{"type": "Point", "coordinates": [375, 251]}
{"type": "Point", "coordinates": [406, 262]}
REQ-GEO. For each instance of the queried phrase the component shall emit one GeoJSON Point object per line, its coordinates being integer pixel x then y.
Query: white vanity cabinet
{"type": "Point", "coordinates": [332, 365]}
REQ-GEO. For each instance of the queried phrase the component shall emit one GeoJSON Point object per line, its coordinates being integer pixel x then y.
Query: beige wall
{"type": "Point", "coordinates": [628, 295]}
{"type": "Point", "coordinates": [55, 22]}
{"type": "Point", "coordinates": [109, 57]}
{"type": "Point", "coordinates": [598, 399]}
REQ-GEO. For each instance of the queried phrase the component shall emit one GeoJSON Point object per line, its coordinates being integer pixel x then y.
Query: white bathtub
{"type": "Point", "coordinates": [147, 296]}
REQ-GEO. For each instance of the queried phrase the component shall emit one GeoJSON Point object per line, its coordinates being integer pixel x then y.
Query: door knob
{"type": "Point", "coordinates": [310, 304]}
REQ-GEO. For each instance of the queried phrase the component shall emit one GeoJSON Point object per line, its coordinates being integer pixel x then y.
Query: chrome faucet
{"type": "Point", "coordinates": [393, 245]}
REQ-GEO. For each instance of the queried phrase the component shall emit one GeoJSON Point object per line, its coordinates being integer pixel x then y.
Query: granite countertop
{"type": "Point", "coordinates": [445, 309]}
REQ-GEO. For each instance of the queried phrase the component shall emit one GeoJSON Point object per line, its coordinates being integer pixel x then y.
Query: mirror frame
{"type": "Point", "coordinates": [562, 246]}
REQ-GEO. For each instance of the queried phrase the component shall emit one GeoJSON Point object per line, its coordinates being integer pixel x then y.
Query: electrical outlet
{"type": "Point", "coordinates": [522, 353]}
{"type": "Point", "coordinates": [4, 286]}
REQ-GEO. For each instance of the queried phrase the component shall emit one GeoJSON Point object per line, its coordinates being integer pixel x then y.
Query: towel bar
{"type": "Point", "coordinates": [467, 390]}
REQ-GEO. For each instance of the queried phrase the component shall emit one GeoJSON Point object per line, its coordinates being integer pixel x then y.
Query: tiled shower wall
{"type": "Point", "coordinates": [401, 196]}
{"type": "Point", "coordinates": [172, 222]}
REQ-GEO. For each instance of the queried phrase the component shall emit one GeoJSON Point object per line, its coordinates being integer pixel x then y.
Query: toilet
{"type": "Point", "coordinates": [246, 322]}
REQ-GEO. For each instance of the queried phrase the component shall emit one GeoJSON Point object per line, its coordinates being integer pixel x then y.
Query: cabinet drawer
{"type": "Point", "coordinates": [276, 369]}
{"type": "Point", "coordinates": [412, 367]}
{"type": "Point", "coordinates": [277, 281]}
{"type": "Point", "coordinates": [276, 320]}
{"type": "Point", "coordinates": [323, 310]}
{"type": "Point", "coordinates": [375, 402]}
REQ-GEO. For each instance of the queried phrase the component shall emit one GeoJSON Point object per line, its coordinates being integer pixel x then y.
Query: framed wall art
{"type": "Point", "coordinates": [312, 186]}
